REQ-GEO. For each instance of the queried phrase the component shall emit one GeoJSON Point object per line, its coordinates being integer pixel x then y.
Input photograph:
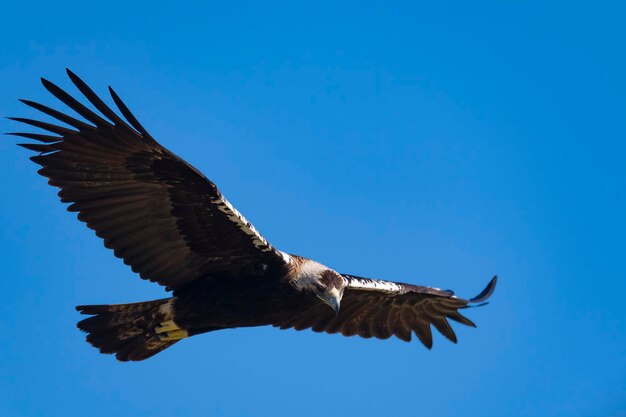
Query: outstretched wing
{"type": "Point", "coordinates": [158, 213]}
{"type": "Point", "coordinates": [376, 308]}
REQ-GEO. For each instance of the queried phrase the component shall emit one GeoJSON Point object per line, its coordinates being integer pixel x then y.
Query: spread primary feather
{"type": "Point", "coordinates": [172, 225]}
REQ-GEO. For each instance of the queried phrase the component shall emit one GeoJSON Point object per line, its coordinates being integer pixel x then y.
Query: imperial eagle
{"type": "Point", "coordinates": [172, 225]}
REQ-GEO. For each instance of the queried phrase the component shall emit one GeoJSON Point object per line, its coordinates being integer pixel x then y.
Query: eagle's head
{"type": "Point", "coordinates": [313, 278]}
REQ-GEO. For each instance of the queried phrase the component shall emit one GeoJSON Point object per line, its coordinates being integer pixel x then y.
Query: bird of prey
{"type": "Point", "coordinates": [172, 225]}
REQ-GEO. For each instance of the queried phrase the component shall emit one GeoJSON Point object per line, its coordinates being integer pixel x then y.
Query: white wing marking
{"type": "Point", "coordinates": [234, 216]}
{"type": "Point", "coordinates": [373, 284]}
{"type": "Point", "coordinates": [286, 257]}
{"type": "Point", "coordinates": [245, 226]}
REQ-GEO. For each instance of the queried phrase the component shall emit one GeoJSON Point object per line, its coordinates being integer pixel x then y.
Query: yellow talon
{"type": "Point", "coordinates": [166, 326]}
{"type": "Point", "coordinates": [173, 335]}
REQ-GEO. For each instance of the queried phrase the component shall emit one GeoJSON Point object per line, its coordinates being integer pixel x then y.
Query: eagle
{"type": "Point", "coordinates": [172, 225]}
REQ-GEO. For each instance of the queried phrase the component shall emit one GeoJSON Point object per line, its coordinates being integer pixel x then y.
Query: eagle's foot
{"type": "Point", "coordinates": [166, 326]}
{"type": "Point", "coordinates": [168, 330]}
{"type": "Point", "coordinates": [173, 335]}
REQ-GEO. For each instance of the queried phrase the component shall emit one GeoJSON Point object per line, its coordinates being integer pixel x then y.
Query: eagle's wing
{"type": "Point", "coordinates": [158, 213]}
{"type": "Point", "coordinates": [376, 308]}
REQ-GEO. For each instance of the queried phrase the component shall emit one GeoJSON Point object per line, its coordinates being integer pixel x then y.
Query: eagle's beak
{"type": "Point", "coordinates": [334, 300]}
{"type": "Point", "coordinates": [334, 304]}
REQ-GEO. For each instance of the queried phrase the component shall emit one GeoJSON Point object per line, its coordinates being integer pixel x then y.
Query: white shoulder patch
{"type": "Point", "coordinates": [233, 215]}
{"type": "Point", "coordinates": [286, 257]}
{"type": "Point", "coordinates": [368, 284]}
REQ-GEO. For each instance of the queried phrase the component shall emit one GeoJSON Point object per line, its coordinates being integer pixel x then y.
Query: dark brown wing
{"type": "Point", "coordinates": [158, 213]}
{"type": "Point", "coordinates": [381, 309]}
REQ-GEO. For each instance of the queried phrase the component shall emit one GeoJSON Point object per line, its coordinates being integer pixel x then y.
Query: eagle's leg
{"type": "Point", "coordinates": [168, 330]}
{"type": "Point", "coordinates": [166, 326]}
{"type": "Point", "coordinates": [173, 335]}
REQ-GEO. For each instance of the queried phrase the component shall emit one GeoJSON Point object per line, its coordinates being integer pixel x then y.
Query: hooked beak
{"type": "Point", "coordinates": [333, 299]}
{"type": "Point", "coordinates": [334, 304]}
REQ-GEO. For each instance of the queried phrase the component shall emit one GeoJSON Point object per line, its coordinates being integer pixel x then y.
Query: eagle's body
{"type": "Point", "coordinates": [243, 301]}
{"type": "Point", "coordinates": [173, 226]}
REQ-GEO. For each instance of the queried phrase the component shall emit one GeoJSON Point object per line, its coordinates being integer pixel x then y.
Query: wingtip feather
{"type": "Point", "coordinates": [47, 84]}
{"type": "Point", "coordinates": [75, 78]}
{"type": "Point", "coordinates": [486, 292]}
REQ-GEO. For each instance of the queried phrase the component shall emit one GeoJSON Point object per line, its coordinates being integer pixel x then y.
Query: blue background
{"type": "Point", "coordinates": [434, 144]}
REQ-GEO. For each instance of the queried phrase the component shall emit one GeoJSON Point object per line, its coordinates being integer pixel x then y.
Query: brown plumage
{"type": "Point", "coordinates": [172, 225]}
{"type": "Point", "coordinates": [126, 329]}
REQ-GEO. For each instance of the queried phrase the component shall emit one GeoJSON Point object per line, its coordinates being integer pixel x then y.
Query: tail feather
{"type": "Point", "coordinates": [127, 330]}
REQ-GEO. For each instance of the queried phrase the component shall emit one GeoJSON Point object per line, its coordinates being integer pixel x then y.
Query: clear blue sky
{"type": "Point", "coordinates": [434, 144]}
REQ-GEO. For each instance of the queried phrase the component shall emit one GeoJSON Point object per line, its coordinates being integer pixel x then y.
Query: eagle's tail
{"type": "Point", "coordinates": [129, 330]}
